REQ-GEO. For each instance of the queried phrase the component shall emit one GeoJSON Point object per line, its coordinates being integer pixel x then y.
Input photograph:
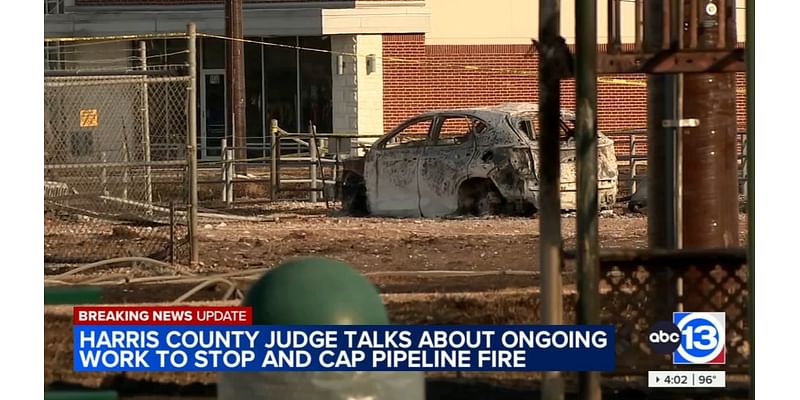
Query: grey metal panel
{"type": "Point", "coordinates": [259, 22]}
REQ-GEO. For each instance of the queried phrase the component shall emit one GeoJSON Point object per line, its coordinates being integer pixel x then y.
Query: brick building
{"type": "Point", "coordinates": [413, 55]}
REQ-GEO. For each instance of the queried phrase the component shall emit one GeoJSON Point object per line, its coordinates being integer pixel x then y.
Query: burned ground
{"type": "Point", "coordinates": [405, 258]}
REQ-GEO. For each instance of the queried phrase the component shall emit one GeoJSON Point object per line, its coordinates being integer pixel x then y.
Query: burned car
{"type": "Point", "coordinates": [466, 161]}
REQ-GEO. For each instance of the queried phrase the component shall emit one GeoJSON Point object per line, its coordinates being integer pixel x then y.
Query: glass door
{"type": "Point", "coordinates": [213, 112]}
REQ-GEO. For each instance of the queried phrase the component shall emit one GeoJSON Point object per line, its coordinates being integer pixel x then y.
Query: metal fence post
{"type": "Point", "coordinates": [192, 142]}
{"type": "Point", "coordinates": [550, 241]}
{"type": "Point", "coordinates": [125, 173]}
{"type": "Point", "coordinates": [587, 201]}
{"type": "Point", "coordinates": [146, 124]}
{"type": "Point", "coordinates": [273, 159]}
{"type": "Point", "coordinates": [230, 174]}
{"type": "Point", "coordinates": [224, 167]}
{"type": "Point", "coordinates": [104, 173]}
{"type": "Point", "coordinates": [312, 152]}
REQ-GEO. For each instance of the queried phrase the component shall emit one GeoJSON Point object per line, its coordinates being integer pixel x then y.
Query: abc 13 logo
{"type": "Point", "coordinates": [691, 337]}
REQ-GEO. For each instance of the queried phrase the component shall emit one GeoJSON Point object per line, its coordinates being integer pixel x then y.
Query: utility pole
{"type": "Point", "coordinates": [710, 182]}
{"type": "Point", "coordinates": [234, 76]}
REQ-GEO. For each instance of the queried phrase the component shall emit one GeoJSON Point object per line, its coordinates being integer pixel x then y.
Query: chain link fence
{"type": "Point", "coordinates": [116, 170]}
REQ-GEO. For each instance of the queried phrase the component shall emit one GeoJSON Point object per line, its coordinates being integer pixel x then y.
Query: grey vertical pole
{"type": "Point", "coordinates": [146, 125]}
{"type": "Point", "coordinates": [104, 173]}
{"type": "Point", "coordinates": [192, 143]}
{"type": "Point", "coordinates": [312, 152]}
{"type": "Point", "coordinates": [587, 201]}
{"type": "Point", "coordinates": [661, 150]}
{"type": "Point", "coordinates": [125, 174]}
{"type": "Point", "coordinates": [550, 197]}
{"type": "Point", "coordinates": [273, 159]}
{"type": "Point", "coordinates": [230, 173]}
{"type": "Point", "coordinates": [224, 163]}
{"type": "Point", "coordinates": [298, 100]}
{"type": "Point", "coordinates": [750, 43]}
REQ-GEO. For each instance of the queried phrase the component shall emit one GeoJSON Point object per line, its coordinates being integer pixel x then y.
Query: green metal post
{"type": "Point", "coordinates": [750, 43]}
{"type": "Point", "coordinates": [80, 395]}
{"type": "Point", "coordinates": [587, 202]}
{"type": "Point", "coordinates": [72, 295]}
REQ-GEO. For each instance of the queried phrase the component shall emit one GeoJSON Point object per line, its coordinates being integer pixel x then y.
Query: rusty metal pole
{"type": "Point", "coordinates": [549, 180]}
{"type": "Point", "coordinates": [234, 75]}
{"type": "Point", "coordinates": [587, 201]}
{"type": "Point", "coordinates": [751, 188]}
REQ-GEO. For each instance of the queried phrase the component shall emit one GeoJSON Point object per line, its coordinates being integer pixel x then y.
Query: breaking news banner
{"type": "Point", "coordinates": [217, 339]}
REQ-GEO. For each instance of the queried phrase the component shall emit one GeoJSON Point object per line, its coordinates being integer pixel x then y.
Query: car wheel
{"type": "Point", "coordinates": [354, 195]}
{"type": "Point", "coordinates": [490, 202]}
{"type": "Point", "coordinates": [480, 198]}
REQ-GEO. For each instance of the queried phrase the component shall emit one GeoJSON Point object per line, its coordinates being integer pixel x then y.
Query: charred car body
{"type": "Point", "coordinates": [465, 161]}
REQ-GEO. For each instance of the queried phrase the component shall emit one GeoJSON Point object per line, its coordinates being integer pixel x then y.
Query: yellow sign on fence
{"type": "Point", "coordinates": [88, 118]}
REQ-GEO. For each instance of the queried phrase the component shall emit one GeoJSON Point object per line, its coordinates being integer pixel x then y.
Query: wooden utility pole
{"type": "Point", "coordinates": [710, 181]}
{"type": "Point", "coordinates": [234, 76]}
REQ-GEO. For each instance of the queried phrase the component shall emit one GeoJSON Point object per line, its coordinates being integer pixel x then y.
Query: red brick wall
{"type": "Point", "coordinates": [419, 77]}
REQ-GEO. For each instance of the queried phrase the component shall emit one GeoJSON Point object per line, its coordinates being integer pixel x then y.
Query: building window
{"type": "Point", "coordinates": [53, 56]}
{"type": "Point", "coordinates": [53, 7]}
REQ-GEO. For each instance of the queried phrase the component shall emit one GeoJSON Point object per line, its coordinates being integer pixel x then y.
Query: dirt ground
{"type": "Point", "coordinates": [407, 259]}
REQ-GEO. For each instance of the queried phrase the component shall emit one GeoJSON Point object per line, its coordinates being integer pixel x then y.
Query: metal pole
{"type": "Point", "coordinates": [104, 173]}
{"type": "Point", "coordinates": [148, 173]}
{"type": "Point", "coordinates": [312, 152]}
{"type": "Point", "coordinates": [751, 186]}
{"type": "Point", "coordinates": [230, 175]}
{"type": "Point", "coordinates": [273, 159]}
{"type": "Point", "coordinates": [661, 147]}
{"type": "Point", "coordinates": [192, 144]}
{"type": "Point", "coordinates": [172, 232]}
{"type": "Point", "coordinates": [550, 198]}
{"type": "Point", "coordinates": [297, 99]}
{"type": "Point", "coordinates": [639, 19]}
{"type": "Point", "coordinates": [587, 201]}
{"type": "Point", "coordinates": [125, 174]}
{"type": "Point", "coordinates": [224, 164]}
{"type": "Point", "coordinates": [234, 74]}
{"type": "Point", "coordinates": [614, 40]}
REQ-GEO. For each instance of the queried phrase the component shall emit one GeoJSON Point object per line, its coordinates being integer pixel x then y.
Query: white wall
{"type": "Point", "coordinates": [370, 86]}
{"type": "Point", "coordinates": [357, 95]}
{"type": "Point", "coordinates": [517, 21]}
{"type": "Point", "coordinates": [345, 86]}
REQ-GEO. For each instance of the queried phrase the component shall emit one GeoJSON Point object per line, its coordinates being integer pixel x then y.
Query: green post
{"type": "Point", "coordinates": [72, 295]}
{"type": "Point", "coordinates": [318, 291]}
{"type": "Point", "coordinates": [81, 395]}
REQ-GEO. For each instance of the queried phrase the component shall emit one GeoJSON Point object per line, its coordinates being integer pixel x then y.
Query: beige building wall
{"type": "Point", "coordinates": [345, 84]}
{"type": "Point", "coordinates": [517, 21]}
{"type": "Point", "coordinates": [370, 85]}
{"type": "Point", "coordinates": [357, 93]}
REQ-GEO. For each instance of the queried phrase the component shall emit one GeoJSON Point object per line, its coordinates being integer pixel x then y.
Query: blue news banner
{"type": "Point", "coordinates": [344, 348]}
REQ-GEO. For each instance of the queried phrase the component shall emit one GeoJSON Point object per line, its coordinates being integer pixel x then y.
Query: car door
{"type": "Point", "coordinates": [445, 163]}
{"type": "Point", "coordinates": [391, 170]}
